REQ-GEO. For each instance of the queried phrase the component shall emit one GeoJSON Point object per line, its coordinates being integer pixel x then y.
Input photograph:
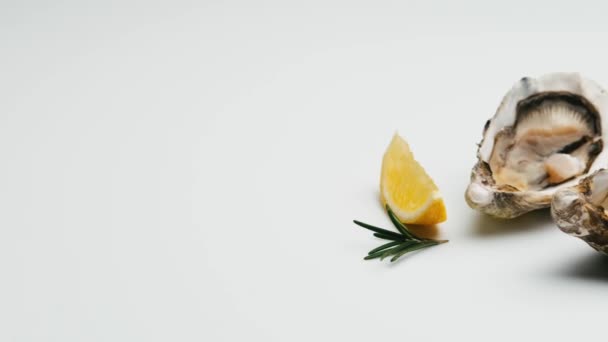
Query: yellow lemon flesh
{"type": "Point", "coordinates": [407, 189]}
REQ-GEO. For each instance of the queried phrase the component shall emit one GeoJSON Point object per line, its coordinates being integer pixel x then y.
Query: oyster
{"type": "Point", "coordinates": [580, 210]}
{"type": "Point", "coordinates": [546, 134]}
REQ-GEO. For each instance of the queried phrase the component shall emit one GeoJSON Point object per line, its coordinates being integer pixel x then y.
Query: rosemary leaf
{"type": "Point", "coordinates": [393, 251]}
{"type": "Point", "coordinates": [386, 237]}
{"type": "Point", "coordinates": [378, 230]}
{"type": "Point", "coordinates": [413, 248]}
{"type": "Point", "coordinates": [383, 253]}
{"type": "Point", "coordinates": [399, 225]}
{"type": "Point", "coordinates": [383, 247]}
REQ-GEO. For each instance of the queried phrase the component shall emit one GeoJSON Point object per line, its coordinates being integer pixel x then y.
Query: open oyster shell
{"type": "Point", "coordinates": [580, 210]}
{"type": "Point", "coordinates": [547, 134]}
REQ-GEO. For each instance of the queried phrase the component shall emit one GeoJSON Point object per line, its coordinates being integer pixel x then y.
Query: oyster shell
{"type": "Point", "coordinates": [579, 210]}
{"type": "Point", "coordinates": [546, 134]}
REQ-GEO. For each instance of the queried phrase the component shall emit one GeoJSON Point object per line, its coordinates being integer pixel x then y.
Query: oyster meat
{"type": "Point", "coordinates": [580, 210]}
{"type": "Point", "coordinates": [546, 135]}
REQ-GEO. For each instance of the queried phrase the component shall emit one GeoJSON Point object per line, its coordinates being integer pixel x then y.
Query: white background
{"type": "Point", "coordinates": [190, 171]}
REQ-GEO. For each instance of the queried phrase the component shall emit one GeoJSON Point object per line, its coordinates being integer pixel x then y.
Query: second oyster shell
{"type": "Point", "coordinates": [580, 210]}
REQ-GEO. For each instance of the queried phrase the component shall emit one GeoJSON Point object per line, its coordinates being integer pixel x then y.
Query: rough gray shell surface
{"type": "Point", "coordinates": [579, 210]}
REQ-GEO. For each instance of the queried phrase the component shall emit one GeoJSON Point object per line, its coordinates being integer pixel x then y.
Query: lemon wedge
{"type": "Point", "coordinates": [407, 189]}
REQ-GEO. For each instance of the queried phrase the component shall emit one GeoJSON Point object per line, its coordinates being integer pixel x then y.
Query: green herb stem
{"type": "Point", "coordinates": [402, 242]}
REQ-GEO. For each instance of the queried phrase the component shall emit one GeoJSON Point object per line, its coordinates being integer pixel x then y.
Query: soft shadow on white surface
{"type": "Point", "coordinates": [593, 266]}
{"type": "Point", "coordinates": [427, 232]}
{"type": "Point", "coordinates": [487, 226]}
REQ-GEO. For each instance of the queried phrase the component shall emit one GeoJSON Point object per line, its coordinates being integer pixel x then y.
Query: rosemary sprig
{"type": "Point", "coordinates": [402, 242]}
